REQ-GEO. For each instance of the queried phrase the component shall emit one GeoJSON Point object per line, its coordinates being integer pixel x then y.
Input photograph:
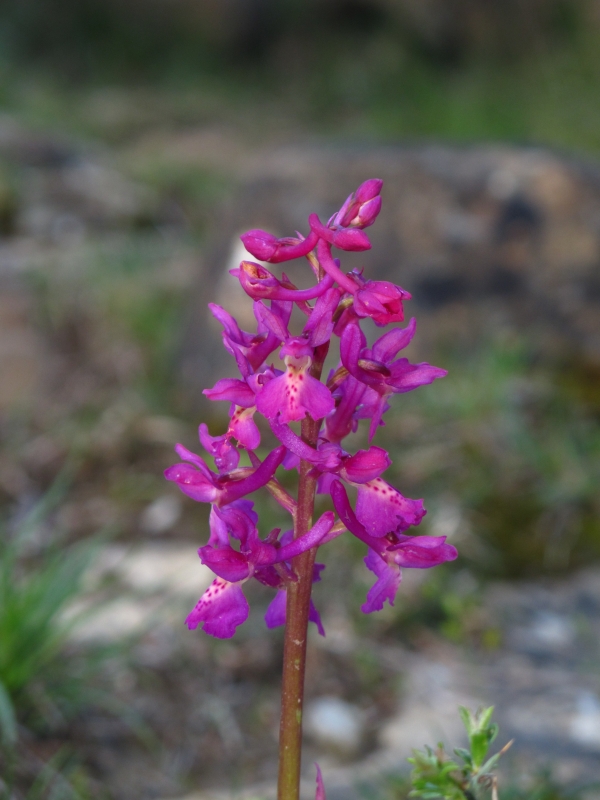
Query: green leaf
{"type": "Point", "coordinates": [491, 763]}
{"type": "Point", "coordinates": [467, 719]}
{"type": "Point", "coordinates": [483, 717]}
{"type": "Point", "coordinates": [461, 752]}
{"type": "Point", "coordinates": [479, 748]}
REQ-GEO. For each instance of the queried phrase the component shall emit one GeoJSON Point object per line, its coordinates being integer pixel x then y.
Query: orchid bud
{"type": "Point", "coordinates": [260, 244]}
{"type": "Point", "coordinates": [361, 209]}
{"type": "Point", "coordinates": [267, 247]}
{"type": "Point", "coordinates": [350, 239]}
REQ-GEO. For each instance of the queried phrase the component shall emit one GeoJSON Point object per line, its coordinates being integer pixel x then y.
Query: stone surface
{"type": "Point", "coordinates": [151, 585]}
{"type": "Point", "coordinates": [335, 724]}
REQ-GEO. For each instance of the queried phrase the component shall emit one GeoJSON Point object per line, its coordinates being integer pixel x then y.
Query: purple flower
{"type": "Point", "coordinates": [235, 566]}
{"type": "Point", "coordinates": [388, 554]}
{"type": "Point", "coordinates": [381, 301]}
{"type": "Point", "coordinates": [249, 350]}
{"type": "Point", "coordinates": [295, 393]}
{"type": "Point", "coordinates": [221, 609]}
{"type": "Point", "coordinates": [377, 368]}
{"type": "Point", "coordinates": [361, 208]}
{"type": "Point", "coordinates": [266, 247]}
{"type": "Point", "coordinates": [382, 509]}
{"type": "Point", "coordinates": [225, 454]}
{"type": "Point", "coordinates": [260, 284]}
{"type": "Point", "coordinates": [223, 606]}
{"type": "Point", "coordinates": [243, 407]}
{"type": "Point", "coordinates": [359, 388]}
{"type": "Point", "coordinates": [202, 484]}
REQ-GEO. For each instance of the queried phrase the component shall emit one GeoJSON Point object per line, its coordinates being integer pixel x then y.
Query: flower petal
{"type": "Point", "coordinates": [382, 509]}
{"type": "Point", "coordinates": [221, 609]}
{"type": "Point", "coordinates": [276, 612]}
{"type": "Point", "coordinates": [386, 585]}
{"type": "Point", "coordinates": [192, 482]}
{"type": "Point", "coordinates": [422, 552]}
{"type": "Point", "coordinates": [225, 562]}
{"type": "Point", "coordinates": [320, 792]}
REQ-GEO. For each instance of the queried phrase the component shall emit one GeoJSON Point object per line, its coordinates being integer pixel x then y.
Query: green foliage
{"type": "Point", "coordinates": [435, 775]}
{"type": "Point", "coordinates": [39, 685]}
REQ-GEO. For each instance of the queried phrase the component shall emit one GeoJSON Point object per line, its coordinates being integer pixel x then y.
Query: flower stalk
{"type": "Point", "coordinates": [359, 388]}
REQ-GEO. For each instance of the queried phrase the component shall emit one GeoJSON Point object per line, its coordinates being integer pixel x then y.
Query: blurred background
{"type": "Point", "coordinates": [137, 140]}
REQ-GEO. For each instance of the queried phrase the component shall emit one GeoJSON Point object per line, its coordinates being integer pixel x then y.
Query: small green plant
{"type": "Point", "coordinates": [435, 775]}
{"type": "Point", "coordinates": [45, 682]}
{"type": "Point", "coordinates": [34, 684]}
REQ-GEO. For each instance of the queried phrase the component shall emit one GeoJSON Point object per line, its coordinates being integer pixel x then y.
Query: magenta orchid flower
{"type": "Point", "coordinates": [361, 207]}
{"type": "Point", "coordinates": [360, 388]}
{"type": "Point", "coordinates": [381, 301]}
{"type": "Point", "coordinates": [378, 369]}
{"type": "Point", "coordinates": [389, 553]}
{"type": "Point", "coordinates": [202, 484]}
{"type": "Point", "coordinates": [260, 284]}
{"type": "Point", "coordinates": [311, 419]}
{"type": "Point", "coordinates": [223, 606]}
{"type": "Point", "coordinates": [266, 247]}
{"type": "Point", "coordinates": [296, 393]}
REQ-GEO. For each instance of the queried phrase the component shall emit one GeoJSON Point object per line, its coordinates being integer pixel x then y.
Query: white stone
{"type": "Point", "coordinates": [335, 723]}
{"type": "Point", "coordinates": [161, 515]}
{"type": "Point", "coordinates": [553, 629]}
{"type": "Point", "coordinates": [585, 724]}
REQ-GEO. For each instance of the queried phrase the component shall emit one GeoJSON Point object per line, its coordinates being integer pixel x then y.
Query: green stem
{"type": "Point", "coordinates": [297, 610]}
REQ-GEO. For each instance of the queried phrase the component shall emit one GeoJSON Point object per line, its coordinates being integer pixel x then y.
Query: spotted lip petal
{"type": "Point", "coordinates": [385, 559]}
{"type": "Point", "coordinates": [220, 610]}
{"type": "Point", "coordinates": [295, 394]}
{"type": "Point", "coordinates": [382, 509]}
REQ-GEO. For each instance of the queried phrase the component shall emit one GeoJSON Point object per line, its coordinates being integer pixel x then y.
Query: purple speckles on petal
{"type": "Point", "coordinates": [220, 610]}
{"type": "Point", "coordinates": [294, 394]}
{"type": "Point", "coordinates": [382, 509]}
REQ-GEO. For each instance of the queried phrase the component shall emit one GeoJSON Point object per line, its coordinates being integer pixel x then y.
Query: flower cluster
{"type": "Point", "coordinates": [359, 388]}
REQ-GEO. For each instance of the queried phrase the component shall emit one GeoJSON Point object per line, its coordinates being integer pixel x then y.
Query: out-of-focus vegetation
{"type": "Point", "coordinates": [47, 681]}
{"type": "Point", "coordinates": [527, 71]}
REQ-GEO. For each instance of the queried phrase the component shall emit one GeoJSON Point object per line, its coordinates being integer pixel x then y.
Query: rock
{"type": "Point", "coordinates": [335, 724]}
{"type": "Point", "coordinates": [161, 515]}
{"type": "Point", "coordinates": [156, 583]}
{"type": "Point", "coordinates": [488, 239]}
